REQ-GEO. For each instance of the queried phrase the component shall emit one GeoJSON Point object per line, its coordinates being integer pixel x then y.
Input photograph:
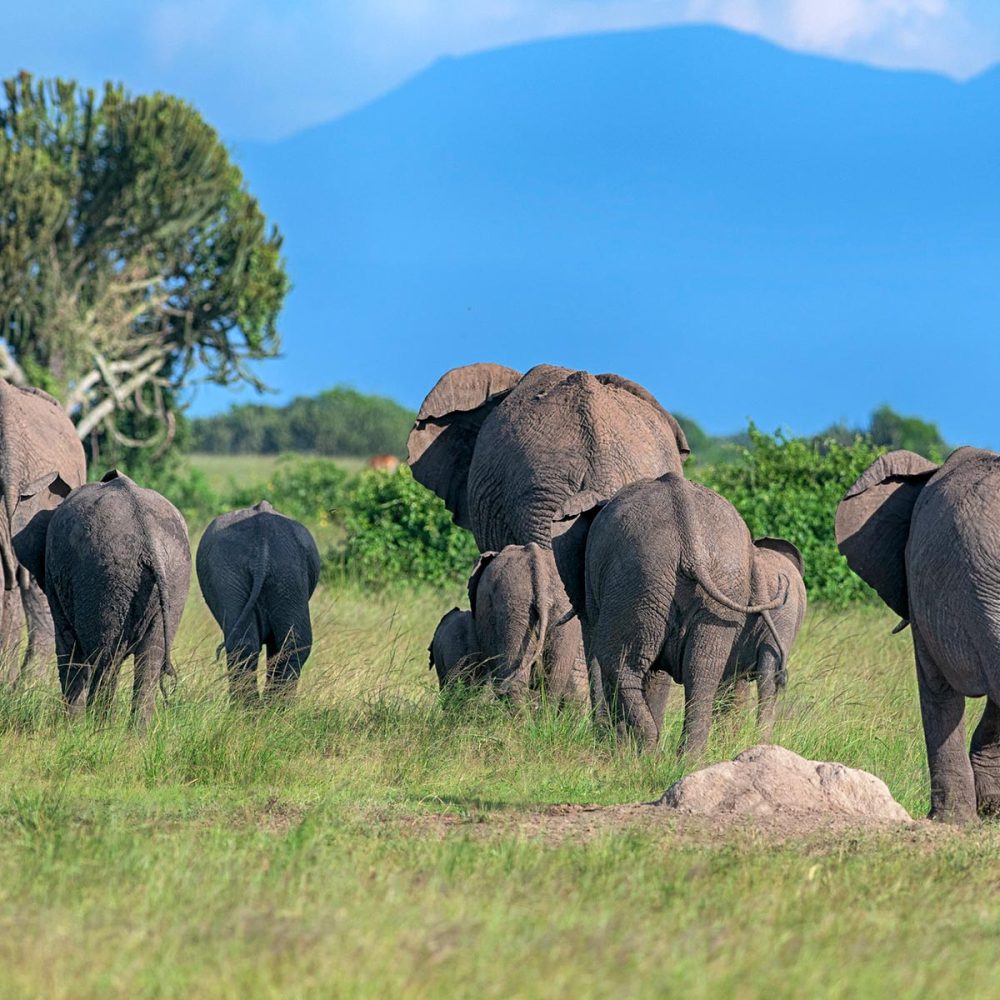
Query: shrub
{"type": "Point", "coordinates": [309, 489]}
{"type": "Point", "coordinates": [398, 531]}
{"type": "Point", "coordinates": [790, 488]}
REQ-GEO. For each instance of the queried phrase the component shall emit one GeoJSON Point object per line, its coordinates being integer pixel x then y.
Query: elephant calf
{"type": "Point", "coordinates": [258, 569]}
{"type": "Point", "coordinates": [511, 638]}
{"type": "Point", "coordinates": [115, 564]}
{"type": "Point", "coordinates": [673, 585]}
{"type": "Point", "coordinates": [454, 650]}
{"type": "Point", "coordinates": [517, 598]}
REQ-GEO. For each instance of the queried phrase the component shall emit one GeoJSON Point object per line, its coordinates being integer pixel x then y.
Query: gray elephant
{"type": "Point", "coordinates": [41, 460]}
{"type": "Point", "coordinates": [525, 634]}
{"type": "Point", "coordinates": [258, 569]}
{"type": "Point", "coordinates": [115, 564]}
{"type": "Point", "coordinates": [454, 650]}
{"type": "Point", "coordinates": [673, 587]}
{"type": "Point", "coordinates": [517, 457]}
{"type": "Point", "coordinates": [927, 538]}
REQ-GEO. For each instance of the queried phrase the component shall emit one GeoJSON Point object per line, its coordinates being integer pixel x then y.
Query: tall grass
{"type": "Point", "coordinates": [295, 852]}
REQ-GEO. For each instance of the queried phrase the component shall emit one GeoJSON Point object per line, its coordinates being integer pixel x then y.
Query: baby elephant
{"type": "Point", "coordinates": [511, 637]}
{"type": "Point", "coordinates": [454, 650]}
{"type": "Point", "coordinates": [115, 563]}
{"type": "Point", "coordinates": [257, 570]}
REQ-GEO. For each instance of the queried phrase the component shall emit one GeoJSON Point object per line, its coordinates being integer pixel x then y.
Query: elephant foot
{"type": "Point", "coordinates": [986, 771]}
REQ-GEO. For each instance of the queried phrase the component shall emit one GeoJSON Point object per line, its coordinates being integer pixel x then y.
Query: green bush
{"type": "Point", "coordinates": [311, 490]}
{"type": "Point", "coordinates": [398, 531]}
{"type": "Point", "coordinates": [790, 488]}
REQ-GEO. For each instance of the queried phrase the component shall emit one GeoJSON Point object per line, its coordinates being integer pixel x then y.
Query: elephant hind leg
{"type": "Point", "coordinates": [285, 661]}
{"type": "Point", "coordinates": [104, 684]}
{"type": "Point", "coordinates": [242, 655]}
{"type": "Point", "coordinates": [624, 668]}
{"type": "Point", "coordinates": [953, 790]}
{"type": "Point", "coordinates": [984, 755]}
{"type": "Point", "coordinates": [708, 648]}
{"type": "Point", "coordinates": [74, 670]}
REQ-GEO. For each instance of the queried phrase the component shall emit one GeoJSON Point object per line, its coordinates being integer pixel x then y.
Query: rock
{"type": "Point", "coordinates": [771, 783]}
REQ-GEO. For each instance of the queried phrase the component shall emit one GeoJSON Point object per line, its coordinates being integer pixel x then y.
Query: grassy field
{"type": "Point", "coordinates": [223, 472]}
{"type": "Point", "coordinates": [369, 843]}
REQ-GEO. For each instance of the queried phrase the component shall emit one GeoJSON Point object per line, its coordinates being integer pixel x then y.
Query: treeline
{"type": "Point", "coordinates": [340, 421]}
{"type": "Point", "coordinates": [886, 430]}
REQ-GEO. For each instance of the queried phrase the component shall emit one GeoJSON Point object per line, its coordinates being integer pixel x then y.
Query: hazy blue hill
{"type": "Point", "coordinates": [748, 231]}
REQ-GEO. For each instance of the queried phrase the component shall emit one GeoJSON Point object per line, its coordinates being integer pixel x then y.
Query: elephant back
{"type": "Point", "coordinates": [562, 441]}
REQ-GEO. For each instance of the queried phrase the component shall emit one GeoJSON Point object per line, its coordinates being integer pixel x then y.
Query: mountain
{"type": "Point", "coordinates": [748, 231]}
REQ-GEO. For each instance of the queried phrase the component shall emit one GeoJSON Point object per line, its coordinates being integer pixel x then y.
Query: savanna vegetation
{"type": "Point", "coordinates": [370, 841]}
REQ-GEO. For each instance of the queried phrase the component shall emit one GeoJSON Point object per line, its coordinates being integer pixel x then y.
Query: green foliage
{"type": "Point", "coordinates": [130, 251]}
{"type": "Point", "coordinates": [707, 449]}
{"type": "Point", "coordinates": [311, 490]}
{"type": "Point", "coordinates": [399, 531]}
{"type": "Point", "coordinates": [892, 431]}
{"type": "Point", "coordinates": [790, 488]}
{"type": "Point", "coordinates": [340, 421]}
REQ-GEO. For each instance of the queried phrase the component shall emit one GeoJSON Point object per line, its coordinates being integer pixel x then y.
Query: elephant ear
{"type": "Point", "coordinates": [444, 435]}
{"type": "Point", "coordinates": [570, 530]}
{"type": "Point", "coordinates": [477, 574]}
{"type": "Point", "coordinates": [873, 523]}
{"type": "Point", "coordinates": [627, 385]}
{"type": "Point", "coordinates": [785, 548]}
{"type": "Point", "coordinates": [29, 544]}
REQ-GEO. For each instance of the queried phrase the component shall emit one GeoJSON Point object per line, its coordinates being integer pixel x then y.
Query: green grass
{"type": "Point", "coordinates": [297, 853]}
{"type": "Point", "coordinates": [223, 472]}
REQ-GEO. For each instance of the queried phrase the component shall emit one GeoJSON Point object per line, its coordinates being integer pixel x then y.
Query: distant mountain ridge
{"type": "Point", "coordinates": [750, 232]}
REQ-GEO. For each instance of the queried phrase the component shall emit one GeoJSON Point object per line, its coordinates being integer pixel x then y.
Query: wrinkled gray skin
{"type": "Point", "coordinates": [675, 588]}
{"type": "Point", "coordinates": [927, 538]}
{"type": "Point", "coordinates": [454, 650]}
{"type": "Point", "coordinates": [41, 460]}
{"type": "Point", "coordinates": [758, 656]}
{"type": "Point", "coordinates": [258, 569]}
{"type": "Point", "coordinates": [517, 599]}
{"type": "Point", "coordinates": [517, 457]}
{"type": "Point", "coordinates": [115, 564]}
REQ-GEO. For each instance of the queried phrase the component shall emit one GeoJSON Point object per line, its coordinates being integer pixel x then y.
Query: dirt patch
{"type": "Point", "coordinates": [766, 793]}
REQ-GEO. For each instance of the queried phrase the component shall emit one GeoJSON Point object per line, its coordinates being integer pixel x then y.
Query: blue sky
{"type": "Point", "coordinates": [266, 68]}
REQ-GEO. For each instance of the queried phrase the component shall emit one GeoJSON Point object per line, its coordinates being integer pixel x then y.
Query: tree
{"type": "Point", "coordinates": [889, 429]}
{"type": "Point", "coordinates": [131, 253]}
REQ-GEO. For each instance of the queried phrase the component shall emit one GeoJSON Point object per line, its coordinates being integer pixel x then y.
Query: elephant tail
{"type": "Point", "coordinates": [256, 585]}
{"type": "Point", "coordinates": [713, 591]}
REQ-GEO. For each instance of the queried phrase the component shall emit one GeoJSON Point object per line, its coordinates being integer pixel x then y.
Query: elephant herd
{"type": "Point", "coordinates": [605, 576]}
{"type": "Point", "coordinates": [113, 562]}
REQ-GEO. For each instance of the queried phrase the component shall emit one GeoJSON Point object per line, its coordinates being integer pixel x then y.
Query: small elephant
{"type": "Point", "coordinates": [454, 650]}
{"type": "Point", "coordinates": [258, 569]}
{"type": "Point", "coordinates": [673, 584]}
{"type": "Point", "coordinates": [926, 538]}
{"type": "Point", "coordinates": [527, 637]}
{"type": "Point", "coordinates": [758, 657]}
{"type": "Point", "coordinates": [114, 562]}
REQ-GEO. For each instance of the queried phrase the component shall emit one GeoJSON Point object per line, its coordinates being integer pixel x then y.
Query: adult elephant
{"type": "Point", "coordinates": [927, 538]}
{"type": "Point", "coordinates": [41, 460]}
{"type": "Point", "coordinates": [516, 458]}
